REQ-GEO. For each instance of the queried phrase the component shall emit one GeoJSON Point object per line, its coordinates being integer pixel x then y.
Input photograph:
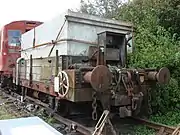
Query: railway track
{"type": "Point", "coordinates": [72, 125]}
{"type": "Point", "coordinates": [161, 128]}
{"type": "Point", "coordinates": [98, 129]}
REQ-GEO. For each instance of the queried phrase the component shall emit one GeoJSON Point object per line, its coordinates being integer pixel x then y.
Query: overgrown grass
{"type": "Point", "coordinates": [171, 118]}
{"type": "Point", "coordinates": [143, 130]}
{"type": "Point", "coordinates": [45, 117]}
{"type": "Point", "coordinates": [4, 114]}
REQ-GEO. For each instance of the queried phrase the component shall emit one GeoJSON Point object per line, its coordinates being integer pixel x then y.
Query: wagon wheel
{"type": "Point", "coordinates": [64, 84]}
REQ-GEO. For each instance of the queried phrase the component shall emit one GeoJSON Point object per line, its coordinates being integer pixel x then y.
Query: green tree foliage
{"type": "Point", "coordinates": [105, 8]}
{"type": "Point", "coordinates": [88, 7]}
{"type": "Point", "coordinates": [156, 46]}
{"type": "Point", "coordinates": [157, 40]}
{"type": "Point", "coordinates": [169, 17]}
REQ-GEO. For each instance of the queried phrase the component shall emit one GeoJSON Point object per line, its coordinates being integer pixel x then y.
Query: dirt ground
{"type": "Point", "coordinates": [9, 111]}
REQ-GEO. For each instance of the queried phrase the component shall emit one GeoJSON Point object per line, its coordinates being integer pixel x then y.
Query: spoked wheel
{"type": "Point", "coordinates": [64, 84]}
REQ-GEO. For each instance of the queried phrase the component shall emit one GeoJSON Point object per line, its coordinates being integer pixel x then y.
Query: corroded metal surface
{"type": "Point", "coordinates": [95, 64]}
{"type": "Point", "coordinates": [99, 78]}
{"type": "Point", "coordinates": [162, 76]}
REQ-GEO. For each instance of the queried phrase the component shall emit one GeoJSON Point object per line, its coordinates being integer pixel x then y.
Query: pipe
{"type": "Point", "coordinates": [162, 76]}
{"type": "Point", "coordinates": [54, 43]}
{"type": "Point", "coordinates": [100, 78]}
{"type": "Point", "coordinates": [152, 76]}
{"type": "Point", "coordinates": [57, 63]}
{"type": "Point", "coordinates": [17, 69]}
{"type": "Point", "coordinates": [30, 72]}
{"type": "Point", "coordinates": [87, 77]}
{"type": "Point", "coordinates": [86, 68]}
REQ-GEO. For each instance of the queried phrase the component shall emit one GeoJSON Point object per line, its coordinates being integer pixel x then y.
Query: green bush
{"type": "Point", "coordinates": [155, 46]}
{"type": "Point", "coordinates": [171, 118]}
{"type": "Point", "coordinates": [156, 38]}
{"type": "Point", "coordinates": [166, 98]}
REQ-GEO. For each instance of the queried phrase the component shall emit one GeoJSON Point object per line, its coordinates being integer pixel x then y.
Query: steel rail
{"type": "Point", "coordinates": [156, 126]}
{"type": "Point", "coordinates": [75, 126]}
{"type": "Point", "coordinates": [85, 130]}
{"type": "Point", "coordinates": [78, 127]}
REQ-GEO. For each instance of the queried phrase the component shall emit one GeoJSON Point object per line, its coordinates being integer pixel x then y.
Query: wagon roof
{"type": "Point", "coordinates": [78, 15]}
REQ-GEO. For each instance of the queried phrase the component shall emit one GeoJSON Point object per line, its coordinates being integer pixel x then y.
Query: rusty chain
{"type": "Point", "coordinates": [134, 104]}
{"type": "Point", "coordinates": [149, 102]}
{"type": "Point", "coordinates": [128, 86]}
{"type": "Point", "coordinates": [118, 80]}
{"type": "Point", "coordinates": [94, 106]}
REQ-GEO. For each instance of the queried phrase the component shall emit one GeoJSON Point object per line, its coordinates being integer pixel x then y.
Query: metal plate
{"type": "Point", "coordinates": [101, 78]}
{"type": "Point", "coordinates": [163, 75]}
{"type": "Point", "coordinates": [56, 84]}
{"type": "Point", "coordinates": [28, 126]}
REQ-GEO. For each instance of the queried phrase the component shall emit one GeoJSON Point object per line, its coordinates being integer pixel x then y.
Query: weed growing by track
{"type": "Point", "coordinates": [171, 118]}
{"type": "Point", "coordinates": [7, 111]}
{"type": "Point", "coordinates": [143, 130]}
{"type": "Point", "coordinates": [4, 114]}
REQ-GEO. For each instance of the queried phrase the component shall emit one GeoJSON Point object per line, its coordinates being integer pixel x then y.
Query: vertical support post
{"type": "Point", "coordinates": [124, 61]}
{"type": "Point", "coordinates": [34, 39]}
{"type": "Point", "coordinates": [30, 72]}
{"type": "Point", "coordinates": [101, 55]}
{"type": "Point", "coordinates": [56, 102]}
{"type": "Point", "coordinates": [1, 77]}
{"type": "Point", "coordinates": [57, 63]}
{"type": "Point", "coordinates": [22, 94]}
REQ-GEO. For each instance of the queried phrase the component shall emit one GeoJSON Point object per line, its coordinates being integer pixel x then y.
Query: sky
{"type": "Point", "coordinates": [35, 10]}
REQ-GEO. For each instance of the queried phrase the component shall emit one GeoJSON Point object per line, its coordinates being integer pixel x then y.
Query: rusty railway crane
{"type": "Point", "coordinates": [79, 61]}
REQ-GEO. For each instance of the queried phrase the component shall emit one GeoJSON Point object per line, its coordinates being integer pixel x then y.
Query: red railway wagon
{"type": "Point", "coordinates": [10, 45]}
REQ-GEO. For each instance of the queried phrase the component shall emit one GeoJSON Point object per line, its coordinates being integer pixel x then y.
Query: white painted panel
{"type": "Point", "coordinates": [77, 27]}
{"type": "Point", "coordinates": [27, 39]}
{"type": "Point", "coordinates": [56, 84]}
{"type": "Point", "coordinates": [86, 33]}
{"type": "Point", "coordinates": [46, 32]}
{"type": "Point", "coordinates": [49, 31]}
{"type": "Point", "coordinates": [45, 50]}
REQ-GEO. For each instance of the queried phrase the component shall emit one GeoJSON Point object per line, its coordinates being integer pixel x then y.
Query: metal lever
{"type": "Point", "coordinates": [101, 123]}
